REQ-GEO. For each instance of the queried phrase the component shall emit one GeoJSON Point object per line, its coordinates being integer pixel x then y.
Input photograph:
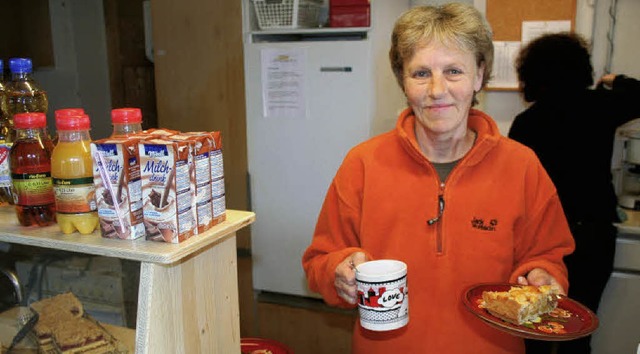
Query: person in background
{"type": "Point", "coordinates": [571, 128]}
{"type": "Point", "coordinates": [443, 192]}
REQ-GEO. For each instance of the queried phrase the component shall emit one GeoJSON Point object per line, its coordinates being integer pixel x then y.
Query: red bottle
{"type": "Point", "coordinates": [30, 161]}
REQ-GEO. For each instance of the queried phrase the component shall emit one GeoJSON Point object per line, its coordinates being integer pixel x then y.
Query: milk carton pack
{"type": "Point", "coordinates": [202, 145]}
{"type": "Point", "coordinates": [116, 176]}
{"type": "Point", "coordinates": [217, 180]}
{"type": "Point", "coordinates": [168, 191]}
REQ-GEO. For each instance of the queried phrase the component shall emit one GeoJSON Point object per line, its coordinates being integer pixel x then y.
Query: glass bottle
{"type": "Point", "coordinates": [72, 173]}
{"type": "Point", "coordinates": [7, 134]}
{"type": "Point", "coordinates": [126, 121]}
{"type": "Point", "coordinates": [30, 161]}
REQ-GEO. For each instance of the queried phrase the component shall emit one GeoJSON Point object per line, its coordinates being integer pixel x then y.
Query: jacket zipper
{"type": "Point", "coordinates": [438, 219]}
{"type": "Point", "coordinates": [441, 204]}
{"type": "Point", "coordinates": [439, 236]}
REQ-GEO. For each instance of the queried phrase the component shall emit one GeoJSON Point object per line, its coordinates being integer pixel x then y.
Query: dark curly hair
{"type": "Point", "coordinates": [554, 64]}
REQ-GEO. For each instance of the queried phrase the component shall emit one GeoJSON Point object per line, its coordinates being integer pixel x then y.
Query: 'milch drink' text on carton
{"type": "Point", "coordinates": [168, 193]}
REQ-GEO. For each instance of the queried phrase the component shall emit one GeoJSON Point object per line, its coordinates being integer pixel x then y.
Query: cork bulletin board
{"type": "Point", "coordinates": [506, 16]}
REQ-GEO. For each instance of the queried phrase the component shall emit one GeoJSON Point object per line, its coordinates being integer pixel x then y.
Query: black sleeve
{"type": "Point", "coordinates": [516, 132]}
{"type": "Point", "coordinates": [626, 94]}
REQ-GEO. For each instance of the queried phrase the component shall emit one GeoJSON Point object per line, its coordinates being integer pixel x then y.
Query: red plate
{"type": "Point", "coordinates": [580, 321]}
{"type": "Point", "coordinates": [251, 345]}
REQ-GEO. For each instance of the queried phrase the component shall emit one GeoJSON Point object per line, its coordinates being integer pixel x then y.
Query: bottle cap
{"type": "Point", "coordinates": [73, 122]}
{"type": "Point", "coordinates": [20, 65]}
{"type": "Point", "coordinates": [30, 120]}
{"type": "Point", "coordinates": [65, 112]}
{"type": "Point", "coordinates": [126, 115]}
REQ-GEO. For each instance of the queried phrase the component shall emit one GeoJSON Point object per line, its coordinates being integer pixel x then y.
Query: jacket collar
{"type": "Point", "coordinates": [480, 122]}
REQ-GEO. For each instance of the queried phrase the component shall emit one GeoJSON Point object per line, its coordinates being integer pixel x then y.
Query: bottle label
{"type": "Point", "coordinates": [33, 188]}
{"type": "Point", "coordinates": [5, 173]}
{"type": "Point", "coordinates": [74, 195]}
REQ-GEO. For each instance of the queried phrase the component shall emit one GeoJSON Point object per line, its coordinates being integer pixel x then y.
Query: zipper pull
{"type": "Point", "coordinates": [440, 211]}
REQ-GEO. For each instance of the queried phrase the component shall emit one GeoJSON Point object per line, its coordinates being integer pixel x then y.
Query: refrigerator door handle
{"type": "Point", "coordinates": [326, 69]}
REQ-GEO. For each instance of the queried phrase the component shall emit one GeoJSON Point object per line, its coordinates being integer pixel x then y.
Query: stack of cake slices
{"type": "Point", "coordinates": [63, 327]}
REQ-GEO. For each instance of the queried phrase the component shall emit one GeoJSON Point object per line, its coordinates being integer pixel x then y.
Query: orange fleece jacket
{"type": "Point", "coordinates": [502, 218]}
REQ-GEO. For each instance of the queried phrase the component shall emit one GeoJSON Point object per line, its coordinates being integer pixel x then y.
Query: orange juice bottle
{"type": "Point", "coordinates": [65, 112]}
{"type": "Point", "coordinates": [72, 173]}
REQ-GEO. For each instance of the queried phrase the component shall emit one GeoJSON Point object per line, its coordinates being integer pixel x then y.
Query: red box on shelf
{"type": "Point", "coordinates": [349, 16]}
{"type": "Point", "coordinates": [348, 2]}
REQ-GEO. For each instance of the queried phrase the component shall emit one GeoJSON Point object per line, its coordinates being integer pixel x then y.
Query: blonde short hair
{"type": "Point", "coordinates": [456, 24]}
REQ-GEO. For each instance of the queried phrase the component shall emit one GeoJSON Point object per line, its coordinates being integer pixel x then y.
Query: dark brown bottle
{"type": "Point", "coordinates": [30, 161]}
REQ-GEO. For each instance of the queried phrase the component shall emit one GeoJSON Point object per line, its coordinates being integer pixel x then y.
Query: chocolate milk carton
{"type": "Point", "coordinates": [202, 145]}
{"type": "Point", "coordinates": [168, 194]}
{"type": "Point", "coordinates": [116, 176]}
{"type": "Point", "coordinates": [217, 180]}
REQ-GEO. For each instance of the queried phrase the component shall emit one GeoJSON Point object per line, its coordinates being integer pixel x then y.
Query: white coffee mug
{"type": "Point", "coordinates": [383, 295]}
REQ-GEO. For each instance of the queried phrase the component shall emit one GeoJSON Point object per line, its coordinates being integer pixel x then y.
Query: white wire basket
{"type": "Point", "coordinates": [283, 14]}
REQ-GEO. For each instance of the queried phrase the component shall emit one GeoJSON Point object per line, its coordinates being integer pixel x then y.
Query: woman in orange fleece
{"type": "Point", "coordinates": [443, 192]}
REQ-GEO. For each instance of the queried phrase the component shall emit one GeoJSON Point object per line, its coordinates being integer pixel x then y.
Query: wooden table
{"type": "Point", "coordinates": [188, 292]}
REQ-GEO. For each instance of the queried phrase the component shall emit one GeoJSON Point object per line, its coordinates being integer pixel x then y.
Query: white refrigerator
{"type": "Point", "coordinates": [301, 121]}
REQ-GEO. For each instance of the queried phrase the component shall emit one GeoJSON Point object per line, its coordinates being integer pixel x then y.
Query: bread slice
{"type": "Point", "coordinates": [521, 304]}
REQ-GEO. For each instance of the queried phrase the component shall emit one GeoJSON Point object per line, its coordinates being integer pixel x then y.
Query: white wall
{"type": "Point", "coordinates": [389, 99]}
{"type": "Point", "coordinates": [626, 56]}
{"type": "Point", "coordinates": [80, 76]}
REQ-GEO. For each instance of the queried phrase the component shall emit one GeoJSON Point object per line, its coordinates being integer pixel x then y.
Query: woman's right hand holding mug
{"type": "Point", "coordinates": [345, 280]}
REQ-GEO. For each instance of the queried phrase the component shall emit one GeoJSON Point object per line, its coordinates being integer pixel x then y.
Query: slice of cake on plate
{"type": "Point", "coordinates": [521, 304]}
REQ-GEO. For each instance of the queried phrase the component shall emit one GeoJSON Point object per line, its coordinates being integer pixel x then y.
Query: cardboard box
{"type": "Point", "coordinates": [349, 16]}
{"type": "Point", "coordinates": [333, 3]}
